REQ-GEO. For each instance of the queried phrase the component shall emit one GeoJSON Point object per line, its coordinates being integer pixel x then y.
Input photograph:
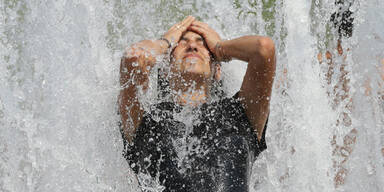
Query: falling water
{"type": "Point", "coordinates": [59, 70]}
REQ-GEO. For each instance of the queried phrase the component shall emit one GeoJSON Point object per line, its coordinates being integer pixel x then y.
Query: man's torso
{"type": "Point", "coordinates": [210, 148]}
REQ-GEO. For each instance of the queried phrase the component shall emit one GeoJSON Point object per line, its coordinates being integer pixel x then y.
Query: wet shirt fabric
{"type": "Point", "coordinates": [211, 148]}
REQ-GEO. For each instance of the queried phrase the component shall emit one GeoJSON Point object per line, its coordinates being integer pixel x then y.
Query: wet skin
{"type": "Point", "coordinates": [192, 56]}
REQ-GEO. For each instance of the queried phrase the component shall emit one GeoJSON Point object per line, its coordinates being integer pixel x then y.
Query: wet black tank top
{"type": "Point", "coordinates": [213, 149]}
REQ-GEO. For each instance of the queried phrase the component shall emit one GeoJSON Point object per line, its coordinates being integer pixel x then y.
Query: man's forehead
{"type": "Point", "coordinates": [192, 35]}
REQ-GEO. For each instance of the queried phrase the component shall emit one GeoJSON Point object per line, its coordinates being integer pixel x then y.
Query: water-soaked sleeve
{"type": "Point", "coordinates": [141, 153]}
{"type": "Point", "coordinates": [235, 109]}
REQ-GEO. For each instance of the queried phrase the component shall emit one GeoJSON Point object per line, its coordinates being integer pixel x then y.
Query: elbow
{"type": "Point", "coordinates": [266, 48]}
{"type": "Point", "coordinates": [138, 54]}
{"type": "Point", "coordinates": [129, 52]}
{"type": "Point", "coordinates": [130, 56]}
{"type": "Point", "coordinates": [263, 57]}
{"type": "Point", "coordinates": [264, 54]}
{"type": "Point", "coordinates": [136, 50]}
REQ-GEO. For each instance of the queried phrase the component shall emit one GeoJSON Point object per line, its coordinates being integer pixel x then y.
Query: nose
{"type": "Point", "coordinates": [192, 46]}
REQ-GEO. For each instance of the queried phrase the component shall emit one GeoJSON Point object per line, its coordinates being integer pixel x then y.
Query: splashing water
{"type": "Point", "coordinates": [59, 70]}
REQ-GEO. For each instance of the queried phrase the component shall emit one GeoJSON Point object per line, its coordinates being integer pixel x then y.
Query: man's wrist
{"type": "Point", "coordinates": [220, 53]}
{"type": "Point", "coordinates": [165, 42]}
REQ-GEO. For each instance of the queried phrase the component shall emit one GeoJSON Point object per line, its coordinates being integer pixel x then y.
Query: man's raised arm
{"type": "Point", "coordinates": [135, 67]}
{"type": "Point", "coordinates": [256, 88]}
{"type": "Point", "coordinates": [134, 70]}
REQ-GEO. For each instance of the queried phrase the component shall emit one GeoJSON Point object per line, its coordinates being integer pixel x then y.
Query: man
{"type": "Point", "coordinates": [214, 151]}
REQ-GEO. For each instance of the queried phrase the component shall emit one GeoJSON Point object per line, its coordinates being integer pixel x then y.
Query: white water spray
{"type": "Point", "coordinates": [59, 70]}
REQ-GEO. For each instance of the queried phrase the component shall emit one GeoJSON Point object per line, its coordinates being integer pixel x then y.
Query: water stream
{"type": "Point", "coordinates": [59, 71]}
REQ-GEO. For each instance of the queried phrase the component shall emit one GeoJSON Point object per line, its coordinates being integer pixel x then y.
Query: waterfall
{"type": "Point", "coordinates": [59, 74]}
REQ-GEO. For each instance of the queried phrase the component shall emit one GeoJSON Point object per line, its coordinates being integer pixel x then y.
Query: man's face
{"type": "Point", "coordinates": [191, 55]}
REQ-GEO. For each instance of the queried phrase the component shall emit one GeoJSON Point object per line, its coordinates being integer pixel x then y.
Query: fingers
{"type": "Point", "coordinates": [198, 30]}
{"type": "Point", "coordinates": [187, 21]}
{"type": "Point", "coordinates": [203, 26]}
{"type": "Point", "coordinates": [200, 24]}
{"type": "Point", "coordinates": [202, 30]}
{"type": "Point", "coordinates": [211, 36]}
{"type": "Point", "coordinates": [199, 27]}
{"type": "Point", "coordinates": [183, 25]}
{"type": "Point", "coordinates": [175, 32]}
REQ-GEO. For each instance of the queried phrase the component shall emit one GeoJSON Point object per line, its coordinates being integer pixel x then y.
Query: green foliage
{"type": "Point", "coordinates": [10, 35]}
{"type": "Point", "coordinates": [250, 9]}
{"type": "Point", "coordinates": [268, 14]}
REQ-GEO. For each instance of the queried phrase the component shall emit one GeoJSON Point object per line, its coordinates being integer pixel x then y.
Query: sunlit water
{"type": "Point", "coordinates": [59, 70]}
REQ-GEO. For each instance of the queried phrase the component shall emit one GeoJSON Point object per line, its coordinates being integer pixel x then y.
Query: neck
{"type": "Point", "coordinates": [190, 89]}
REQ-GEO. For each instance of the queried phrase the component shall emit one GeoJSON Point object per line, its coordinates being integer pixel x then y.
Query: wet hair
{"type": "Point", "coordinates": [342, 19]}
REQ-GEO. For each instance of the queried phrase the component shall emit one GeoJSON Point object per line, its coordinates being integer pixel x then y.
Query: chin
{"type": "Point", "coordinates": [197, 72]}
{"type": "Point", "coordinates": [194, 67]}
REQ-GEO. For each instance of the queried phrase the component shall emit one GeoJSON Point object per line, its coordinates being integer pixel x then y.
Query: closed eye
{"type": "Point", "coordinates": [200, 41]}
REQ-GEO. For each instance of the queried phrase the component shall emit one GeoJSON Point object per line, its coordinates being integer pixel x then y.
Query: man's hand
{"type": "Point", "coordinates": [144, 52]}
{"type": "Point", "coordinates": [211, 37]}
{"type": "Point", "coordinates": [174, 34]}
